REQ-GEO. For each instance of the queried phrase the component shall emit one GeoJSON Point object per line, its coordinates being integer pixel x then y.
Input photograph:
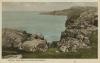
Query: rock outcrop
{"type": "Point", "coordinates": [12, 38]}
{"type": "Point", "coordinates": [21, 40]}
{"type": "Point", "coordinates": [36, 43]}
{"type": "Point", "coordinates": [78, 29]}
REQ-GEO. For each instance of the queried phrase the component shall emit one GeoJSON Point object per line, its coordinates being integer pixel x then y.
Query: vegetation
{"type": "Point", "coordinates": [54, 44]}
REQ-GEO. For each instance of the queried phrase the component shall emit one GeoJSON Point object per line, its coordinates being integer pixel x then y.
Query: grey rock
{"type": "Point", "coordinates": [22, 40]}
{"type": "Point", "coordinates": [35, 45]}
{"type": "Point", "coordinates": [78, 29]}
{"type": "Point", "coordinates": [12, 38]}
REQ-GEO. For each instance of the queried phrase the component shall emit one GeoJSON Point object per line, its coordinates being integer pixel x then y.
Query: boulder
{"type": "Point", "coordinates": [12, 38]}
{"type": "Point", "coordinates": [37, 36]}
{"type": "Point", "coordinates": [35, 44]}
{"type": "Point", "coordinates": [21, 40]}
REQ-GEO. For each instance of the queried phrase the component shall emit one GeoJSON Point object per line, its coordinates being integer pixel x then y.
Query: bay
{"type": "Point", "coordinates": [49, 25]}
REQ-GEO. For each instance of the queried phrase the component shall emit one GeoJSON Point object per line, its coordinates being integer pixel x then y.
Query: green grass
{"type": "Point", "coordinates": [83, 53]}
{"type": "Point", "coordinates": [51, 53]}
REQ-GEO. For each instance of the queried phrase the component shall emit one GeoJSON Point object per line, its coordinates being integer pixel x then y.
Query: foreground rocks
{"type": "Point", "coordinates": [21, 40]}
{"type": "Point", "coordinates": [78, 30]}
{"type": "Point", "coordinates": [12, 38]}
{"type": "Point", "coordinates": [36, 43]}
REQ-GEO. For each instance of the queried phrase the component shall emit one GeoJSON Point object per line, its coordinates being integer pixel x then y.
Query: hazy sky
{"type": "Point", "coordinates": [42, 6]}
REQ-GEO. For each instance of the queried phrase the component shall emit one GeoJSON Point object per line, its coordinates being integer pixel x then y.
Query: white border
{"type": "Point", "coordinates": [49, 60]}
{"type": "Point", "coordinates": [49, 0]}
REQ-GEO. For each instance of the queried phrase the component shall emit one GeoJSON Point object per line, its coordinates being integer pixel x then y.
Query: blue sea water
{"type": "Point", "coordinates": [50, 26]}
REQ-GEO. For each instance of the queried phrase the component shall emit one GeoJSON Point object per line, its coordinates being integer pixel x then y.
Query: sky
{"type": "Point", "coordinates": [42, 6]}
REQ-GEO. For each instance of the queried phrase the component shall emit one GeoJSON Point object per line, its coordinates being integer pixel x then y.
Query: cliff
{"type": "Point", "coordinates": [80, 24]}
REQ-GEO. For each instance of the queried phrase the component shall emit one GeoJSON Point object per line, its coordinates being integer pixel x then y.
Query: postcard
{"type": "Point", "coordinates": [58, 31]}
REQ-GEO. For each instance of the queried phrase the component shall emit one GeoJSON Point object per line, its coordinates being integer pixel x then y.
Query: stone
{"type": "Point", "coordinates": [33, 45]}
{"type": "Point", "coordinates": [21, 40]}
{"type": "Point", "coordinates": [12, 38]}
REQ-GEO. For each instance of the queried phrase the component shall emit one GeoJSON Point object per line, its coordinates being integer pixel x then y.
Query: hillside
{"type": "Point", "coordinates": [76, 10]}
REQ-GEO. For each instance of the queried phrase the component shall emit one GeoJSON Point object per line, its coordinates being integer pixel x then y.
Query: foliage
{"type": "Point", "coordinates": [54, 44]}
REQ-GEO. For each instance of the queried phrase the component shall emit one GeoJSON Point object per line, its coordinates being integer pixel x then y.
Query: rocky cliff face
{"type": "Point", "coordinates": [79, 26]}
{"type": "Point", "coordinates": [22, 40]}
